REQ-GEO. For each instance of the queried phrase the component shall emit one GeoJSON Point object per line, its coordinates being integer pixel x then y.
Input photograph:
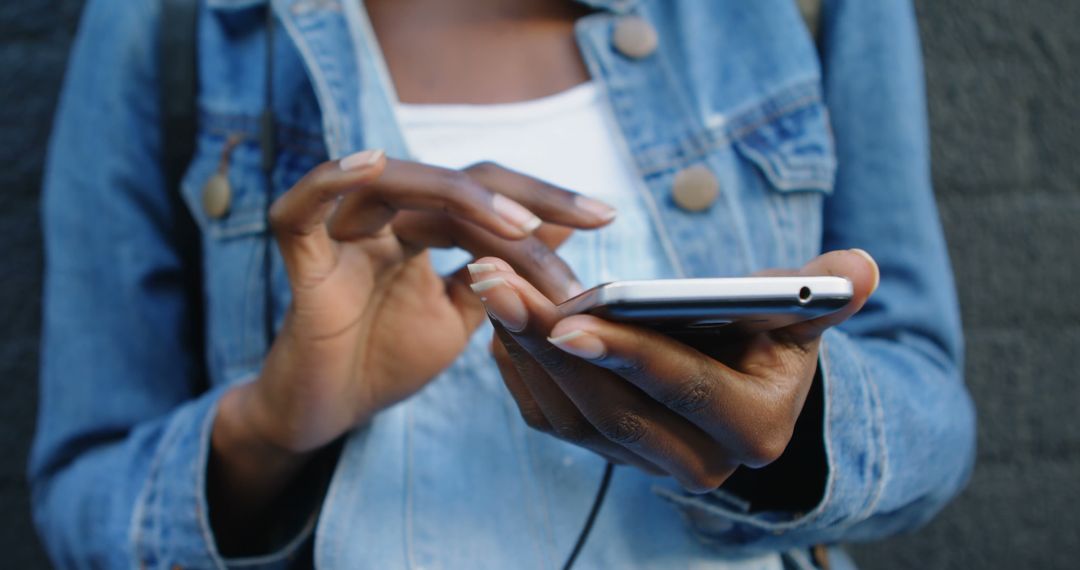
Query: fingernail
{"type": "Point", "coordinates": [477, 269]}
{"type": "Point", "coordinates": [361, 160]}
{"type": "Point", "coordinates": [870, 258]}
{"type": "Point", "coordinates": [502, 303]}
{"type": "Point", "coordinates": [515, 213]}
{"type": "Point", "coordinates": [482, 286]}
{"type": "Point", "coordinates": [580, 344]}
{"type": "Point", "coordinates": [595, 207]}
{"type": "Point", "coordinates": [573, 289]}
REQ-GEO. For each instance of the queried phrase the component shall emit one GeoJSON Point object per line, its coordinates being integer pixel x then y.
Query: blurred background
{"type": "Point", "coordinates": [1004, 86]}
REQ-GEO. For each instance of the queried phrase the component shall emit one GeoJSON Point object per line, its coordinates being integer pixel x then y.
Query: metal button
{"type": "Point", "coordinates": [695, 188]}
{"type": "Point", "coordinates": [635, 37]}
{"type": "Point", "coordinates": [217, 196]}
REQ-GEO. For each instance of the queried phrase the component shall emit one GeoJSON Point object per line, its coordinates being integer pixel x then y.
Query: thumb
{"type": "Point", "coordinates": [855, 265]}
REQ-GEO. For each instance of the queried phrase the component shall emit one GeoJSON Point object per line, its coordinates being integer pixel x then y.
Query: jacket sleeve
{"type": "Point", "coordinates": [119, 459]}
{"type": "Point", "coordinates": [898, 424]}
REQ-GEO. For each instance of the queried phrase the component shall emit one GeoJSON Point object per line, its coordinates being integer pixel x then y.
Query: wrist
{"type": "Point", "coordinates": [248, 474]}
{"type": "Point", "coordinates": [244, 429]}
{"type": "Point", "coordinates": [796, 481]}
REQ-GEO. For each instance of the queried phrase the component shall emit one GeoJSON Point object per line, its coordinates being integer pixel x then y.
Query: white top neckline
{"type": "Point", "coordinates": [577, 97]}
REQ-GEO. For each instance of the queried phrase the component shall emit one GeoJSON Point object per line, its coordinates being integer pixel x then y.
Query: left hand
{"type": "Point", "coordinates": [639, 397]}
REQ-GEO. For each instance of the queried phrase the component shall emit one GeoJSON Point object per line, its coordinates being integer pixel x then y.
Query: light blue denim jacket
{"type": "Point", "coordinates": [143, 330]}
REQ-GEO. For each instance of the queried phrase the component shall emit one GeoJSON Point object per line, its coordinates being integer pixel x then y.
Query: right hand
{"type": "Point", "coordinates": [371, 322]}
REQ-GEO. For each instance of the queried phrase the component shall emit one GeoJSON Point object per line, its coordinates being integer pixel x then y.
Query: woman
{"type": "Point", "coordinates": [210, 401]}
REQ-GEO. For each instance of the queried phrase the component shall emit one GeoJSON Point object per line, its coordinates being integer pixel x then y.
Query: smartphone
{"type": "Point", "coordinates": [740, 305]}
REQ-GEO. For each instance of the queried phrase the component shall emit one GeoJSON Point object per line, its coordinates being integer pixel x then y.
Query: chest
{"type": "Point", "coordinates": [722, 124]}
{"type": "Point", "coordinates": [478, 52]}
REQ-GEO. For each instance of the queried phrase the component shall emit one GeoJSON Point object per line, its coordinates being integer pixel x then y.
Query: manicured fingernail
{"type": "Point", "coordinates": [580, 344]}
{"type": "Point", "coordinates": [502, 303]}
{"type": "Point", "coordinates": [870, 258]}
{"type": "Point", "coordinates": [482, 286]}
{"type": "Point", "coordinates": [595, 207]}
{"type": "Point", "coordinates": [476, 269]}
{"type": "Point", "coordinates": [515, 213]}
{"type": "Point", "coordinates": [361, 160]}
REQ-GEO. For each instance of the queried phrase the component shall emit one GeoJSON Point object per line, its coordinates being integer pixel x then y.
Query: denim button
{"type": "Point", "coordinates": [217, 196]}
{"type": "Point", "coordinates": [695, 188]}
{"type": "Point", "coordinates": [635, 37]}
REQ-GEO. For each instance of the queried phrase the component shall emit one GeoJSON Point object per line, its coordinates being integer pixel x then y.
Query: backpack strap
{"type": "Point", "coordinates": [178, 88]}
{"type": "Point", "coordinates": [178, 84]}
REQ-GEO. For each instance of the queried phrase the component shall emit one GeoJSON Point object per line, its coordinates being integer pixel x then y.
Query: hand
{"type": "Point", "coordinates": [694, 412]}
{"type": "Point", "coordinates": [371, 322]}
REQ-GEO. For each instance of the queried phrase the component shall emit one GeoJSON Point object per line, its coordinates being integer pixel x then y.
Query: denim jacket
{"type": "Point", "coordinates": [147, 323]}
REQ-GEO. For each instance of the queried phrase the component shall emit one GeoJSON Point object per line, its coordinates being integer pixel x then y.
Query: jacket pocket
{"type": "Point", "coordinates": [237, 281]}
{"type": "Point", "coordinates": [785, 159]}
{"type": "Point", "coordinates": [789, 139]}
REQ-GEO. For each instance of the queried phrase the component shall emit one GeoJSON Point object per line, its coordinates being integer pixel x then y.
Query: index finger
{"type": "Point", "coordinates": [552, 203]}
{"type": "Point", "coordinates": [406, 185]}
{"type": "Point", "coordinates": [505, 203]}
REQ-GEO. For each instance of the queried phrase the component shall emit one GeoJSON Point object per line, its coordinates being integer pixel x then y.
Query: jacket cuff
{"type": "Point", "coordinates": [856, 459]}
{"type": "Point", "coordinates": [171, 523]}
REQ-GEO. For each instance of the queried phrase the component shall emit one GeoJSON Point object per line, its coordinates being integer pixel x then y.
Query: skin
{"type": "Point", "coordinates": [479, 51]}
{"type": "Point", "coordinates": [354, 236]}
{"type": "Point", "coordinates": [693, 411]}
{"type": "Point", "coordinates": [358, 269]}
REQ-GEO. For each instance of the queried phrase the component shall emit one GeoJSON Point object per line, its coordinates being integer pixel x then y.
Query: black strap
{"type": "Point", "coordinates": [178, 82]}
{"type": "Point", "coordinates": [178, 88]}
{"type": "Point", "coordinates": [598, 501]}
{"type": "Point", "coordinates": [268, 150]}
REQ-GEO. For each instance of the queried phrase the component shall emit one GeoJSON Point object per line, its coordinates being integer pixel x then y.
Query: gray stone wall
{"type": "Point", "coordinates": [34, 40]}
{"type": "Point", "coordinates": [1003, 78]}
{"type": "Point", "coordinates": [1003, 82]}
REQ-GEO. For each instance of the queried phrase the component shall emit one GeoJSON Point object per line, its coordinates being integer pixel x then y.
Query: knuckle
{"type": "Point", "coordinates": [572, 430]}
{"type": "Point", "coordinates": [555, 362]}
{"type": "Point", "coordinates": [483, 168]}
{"type": "Point", "coordinates": [693, 396]}
{"type": "Point", "coordinates": [517, 356]}
{"type": "Point", "coordinates": [624, 428]}
{"type": "Point", "coordinates": [540, 254]}
{"type": "Point", "coordinates": [535, 419]}
{"type": "Point", "coordinates": [463, 195]}
{"type": "Point", "coordinates": [629, 366]}
{"type": "Point", "coordinates": [704, 479]}
{"type": "Point", "coordinates": [457, 181]}
{"type": "Point", "coordinates": [766, 448]}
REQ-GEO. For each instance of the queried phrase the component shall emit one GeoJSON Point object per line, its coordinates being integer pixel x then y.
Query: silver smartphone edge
{"type": "Point", "coordinates": [802, 289]}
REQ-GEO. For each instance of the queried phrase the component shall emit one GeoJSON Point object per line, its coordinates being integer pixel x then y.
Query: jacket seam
{"type": "Point", "coordinates": [878, 485]}
{"type": "Point", "coordinates": [201, 463]}
{"type": "Point", "coordinates": [324, 93]}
